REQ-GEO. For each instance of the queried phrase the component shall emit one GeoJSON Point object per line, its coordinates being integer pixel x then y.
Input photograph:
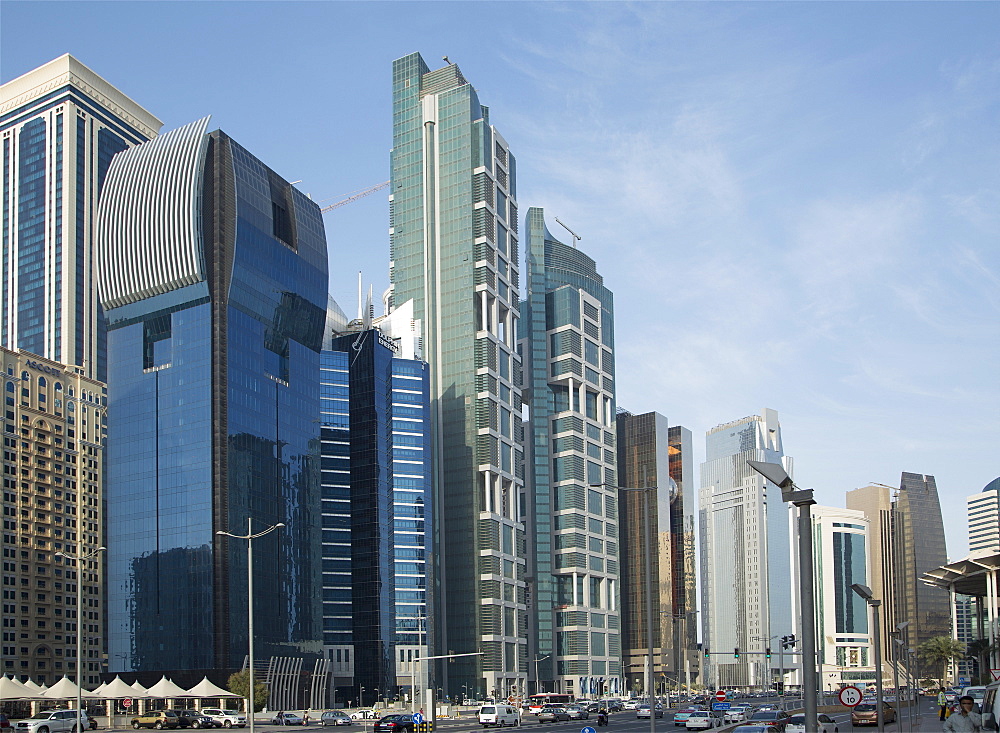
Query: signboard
{"type": "Point", "coordinates": [963, 681]}
{"type": "Point", "coordinates": [127, 702]}
{"type": "Point", "coordinates": [418, 718]}
{"type": "Point", "coordinates": [721, 705]}
{"type": "Point", "coordinates": [996, 674]}
{"type": "Point", "coordinates": [850, 696]}
{"type": "Point", "coordinates": [720, 695]}
{"type": "Point", "coordinates": [588, 729]}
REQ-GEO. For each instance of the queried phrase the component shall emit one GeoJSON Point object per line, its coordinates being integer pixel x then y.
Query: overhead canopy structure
{"type": "Point", "coordinates": [64, 689]}
{"type": "Point", "coordinates": [117, 690]}
{"type": "Point", "coordinates": [14, 690]}
{"type": "Point", "coordinates": [205, 688]}
{"type": "Point", "coordinates": [166, 689]}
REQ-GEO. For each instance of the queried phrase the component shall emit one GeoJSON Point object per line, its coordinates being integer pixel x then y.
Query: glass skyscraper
{"type": "Point", "coordinates": [568, 338]}
{"type": "Point", "coordinates": [60, 125]}
{"type": "Point", "coordinates": [214, 283]}
{"type": "Point", "coordinates": [454, 253]}
{"type": "Point", "coordinates": [745, 555]}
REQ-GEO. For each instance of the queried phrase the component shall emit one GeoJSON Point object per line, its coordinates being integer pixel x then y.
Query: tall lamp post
{"type": "Point", "coordinates": [803, 499]}
{"type": "Point", "coordinates": [901, 652]}
{"type": "Point", "coordinates": [649, 593]}
{"type": "Point", "coordinates": [79, 557]}
{"type": "Point", "coordinates": [250, 537]}
{"type": "Point", "coordinates": [538, 680]}
{"type": "Point", "coordinates": [865, 592]}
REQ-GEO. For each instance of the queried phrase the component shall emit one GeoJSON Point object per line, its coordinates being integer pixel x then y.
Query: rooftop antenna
{"type": "Point", "coordinates": [576, 237]}
{"type": "Point", "coordinates": [360, 296]}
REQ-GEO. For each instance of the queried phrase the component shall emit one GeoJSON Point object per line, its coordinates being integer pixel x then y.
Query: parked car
{"type": "Point", "coordinates": [158, 719]}
{"type": "Point", "coordinates": [284, 718]}
{"type": "Point", "coordinates": [498, 715]}
{"type": "Point", "coordinates": [194, 719]}
{"type": "Point", "coordinates": [865, 714]}
{"type": "Point", "coordinates": [824, 724]}
{"type": "Point", "coordinates": [703, 720]}
{"type": "Point", "coordinates": [51, 721]}
{"type": "Point", "coordinates": [681, 716]}
{"type": "Point", "coordinates": [643, 711]}
{"type": "Point", "coordinates": [226, 718]}
{"type": "Point", "coordinates": [335, 717]}
{"type": "Point", "coordinates": [396, 723]}
{"type": "Point", "coordinates": [5, 722]}
{"type": "Point", "coordinates": [552, 714]}
{"type": "Point", "coordinates": [775, 718]}
{"type": "Point", "coordinates": [577, 712]}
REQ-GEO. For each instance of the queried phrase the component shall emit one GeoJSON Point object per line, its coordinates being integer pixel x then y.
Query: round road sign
{"type": "Point", "coordinates": [720, 695]}
{"type": "Point", "coordinates": [850, 696]}
{"type": "Point", "coordinates": [127, 702]}
{"type": "Point", "coordinates": [418, 718]}
{"type": "Point", "coordinates": [588, 729]}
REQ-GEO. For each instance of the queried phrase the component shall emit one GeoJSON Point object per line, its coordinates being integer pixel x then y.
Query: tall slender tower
{"type": "Point", "coordinates": [60, 124]}
{"type": "Point", "coordinates": [984, 519]}
{"type": "Point", "coordinates": [454, 252]}
{"type": "Point", "coordinates": [745, 554]}
{"type": "Point", "coordinates": [568, 338]}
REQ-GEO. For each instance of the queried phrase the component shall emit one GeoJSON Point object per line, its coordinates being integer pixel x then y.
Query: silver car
{"type": "Point", "coordinates": [335, 717]}
{"type": "Point", "coordinates": [51, 721]}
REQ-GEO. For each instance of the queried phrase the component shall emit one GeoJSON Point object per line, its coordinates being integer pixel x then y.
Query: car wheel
{"type": "Point", "coordinates": [135, 724]}
{"type": "Point", "coordinates": [159, 725]}
{"type": "Point", "coordinates": [227, 724]}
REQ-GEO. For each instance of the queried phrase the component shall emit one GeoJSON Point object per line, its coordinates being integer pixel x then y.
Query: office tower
{"type": "Point", "coordinates": [53, 456]}
{"type": "Point", "coordinates": [454, 252]}
{"type": "Point", "coordinates": [843, 628]}
{"type": "Point", "coordinates": [567, 338]}
{"type": "Point", "coordinates": [745, 560]}
{"type": "Point", "coordinates": [214, 284]}
{"type": "Point", "coordinates": [920, 548]}
{"type": "Point", "coordinates": [650, 453]}
{"type": "Point", "coordinates": [61, 124]}
{"type": "Point", "coordinates": [984, 519]}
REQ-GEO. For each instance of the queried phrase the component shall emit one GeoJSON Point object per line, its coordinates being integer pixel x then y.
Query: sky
{"type": "Point", "coordinates": [797, 205]}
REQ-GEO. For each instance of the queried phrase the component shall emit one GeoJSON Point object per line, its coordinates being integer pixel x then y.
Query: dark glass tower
{"type": "Point", "coordinates": [215, 291]}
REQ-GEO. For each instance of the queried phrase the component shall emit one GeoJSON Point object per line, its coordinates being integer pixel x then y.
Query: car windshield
{"type": "Point", "coordinates": [864, 708]}
{"type": "Point", "coordinates": [766, 715]}
{"type": "Point", "coordinates": [231, 712]}
{"type": "Point", "coordinates": [797, 720]}
{"type": "Point", "coordinates": [42, 716]}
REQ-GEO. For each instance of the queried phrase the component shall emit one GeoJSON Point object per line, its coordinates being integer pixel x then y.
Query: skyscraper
{"type": "Point", "coordinates": [984, 519]}
{"type": "Point", "coordinates": [454, 252]}
{"type": "Point", "coordinates": [214, 284]}
{"type": "Point", "coordinates": [650, 453]}
{"type": "Point", "coordinates": [568, 340]}
{"type": "Point", "coordinates": [61, 124]}
{"type": "Point", "coordinates": [745, 560]}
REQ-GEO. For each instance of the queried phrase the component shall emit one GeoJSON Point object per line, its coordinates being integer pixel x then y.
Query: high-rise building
{"type": "Point", "coordinates": [214, 283]}
{"type": "Point", "coordinates": [843, 625]}
{"type": "Point", "coordinates": [454, 252]}
{"type": "Point", "coordinates": [60, 124]}
{"type": "Point", "coordinates": [745, 553]}
{"type": "Point", "coordinates": [650, 453]}
{"type": "Point", "coordinates": [920, 548]}
{"type": "Point", "coordinates": [567, 338]}
{"type": "Point", "coordinates": [984, 519]}
{"type": "Point", "coordinates": [53, 458]}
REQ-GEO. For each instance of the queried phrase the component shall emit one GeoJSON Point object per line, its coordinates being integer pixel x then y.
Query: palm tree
{"type": "Point", "coordinates": [940, 650]}
{"type": "Point", "coordinates": [979, 651]}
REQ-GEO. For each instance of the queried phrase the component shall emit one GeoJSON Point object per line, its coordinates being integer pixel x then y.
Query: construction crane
{"type": "Point", "coordinates": [576, 237]}
{"type": "Point", "coordinates": [355, 197]}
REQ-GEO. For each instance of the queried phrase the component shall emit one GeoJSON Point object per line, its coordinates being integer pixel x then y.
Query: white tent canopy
{"type": "Point", "coordinates": [117, 690]}
{"type": "Point", "coordinates": [166, 689]}
{"type": "Point", "coordinates": [65, 690]}
{"type": "Point", "coordinates": [12, 689]}
{"type": "Point", "coordinates": [139, 689]}
{"type": "Point", "coordinates": [32, 685]}
{"type": "Point", "coordinates": [205, 688]}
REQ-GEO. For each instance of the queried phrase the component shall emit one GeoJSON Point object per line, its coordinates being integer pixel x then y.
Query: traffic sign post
{"type": "Point", "coordinates": [127, 702]}
{"type": "Point", "coordinates": [720, 695]}
{"type": "Point", "coordinates": [850, 696]}
{"type": "Point", "coordinates": [418, 718]}
{"type": "Point", "coordinates": [588, 729]}
{"type": "Point", "coordinates": [721, 705]}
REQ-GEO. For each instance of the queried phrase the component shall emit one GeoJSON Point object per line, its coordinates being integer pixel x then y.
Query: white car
{"type": "Point", "coordinates": [825, 724]}
{"type": "Point", "coordinates": [735, 714]}
{"type": "Point", "coordinates": [630, 705]}
{"type": "Point", "coordinates": [287, 719]}
{"type": "Point", "coordinates": [363, 714]}
{"type": "Point", "coordinates": [228, 718]}
{"type": "Point", "coordinates": [51, 721]}
{"type": "Point", "coordinates": [703, 720]}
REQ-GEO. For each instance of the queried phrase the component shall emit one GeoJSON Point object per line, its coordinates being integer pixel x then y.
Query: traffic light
{"type": "Point", "coordinates": [787, 642]}
{"type": "Point", "coordinates": [706, 652]}
{"type": "Point", "coordinates": [736, 653]}
{"type": "Point", "coordinates": [767, 653]}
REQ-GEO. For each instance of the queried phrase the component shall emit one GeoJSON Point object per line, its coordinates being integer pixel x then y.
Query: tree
{"type": "Point", "coordinates": [979, 651]}
{"type": "Point", "coordinates": [940, 650]}
{"type": "Point", "coordinates": [239, 684]}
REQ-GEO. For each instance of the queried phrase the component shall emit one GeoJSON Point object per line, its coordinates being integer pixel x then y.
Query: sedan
{"type": "Point", "coordinates": [577, 712]}
{"type": "Point", "coordinates": [287, 719]}
{"type": "Point", "coordinates": [396, 724]}
{"type": "Point", "coordinates": [755, 729]}
{"type": "Point", "coordinates": [775, 718]}
{"type": "Point", "coordinates": [552, 714]}
{"type": "Point", "coordinates": [681, 716]}
{"type": "Point", "coordinates": [335, 717]}
{"type": "Point", "coordinates": [363, 714]}
{"type": "Point", "coordinates": [643, 711]}
{"type": "Point", "coordinates": [864, 714]}
{"type": "Point", "coordinates": [703, 720]}
{"type": "Point", "coordinates": [736, 715]}
{"type": "Point", "coordinates": [824, 724]}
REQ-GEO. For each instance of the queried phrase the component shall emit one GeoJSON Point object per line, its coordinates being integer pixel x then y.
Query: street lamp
{"type": "Point", "coordinates": [803, 499]}
{"type": "Point", "coordinates": [250, 537]}
{"type": "Point", "coordinates": [79, 557]}
{"type": "Point", "coordinates": [865, 592]}
{"type": "Point", "coordinates": [906, 669]}
{"type": "Point", "coordinates": [649, 592]}
{"type": "Point", "coordinates": [538, 680]}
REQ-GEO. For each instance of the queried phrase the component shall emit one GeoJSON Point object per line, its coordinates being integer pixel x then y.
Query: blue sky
{"type": "Point", "coordinates": [796, 204]}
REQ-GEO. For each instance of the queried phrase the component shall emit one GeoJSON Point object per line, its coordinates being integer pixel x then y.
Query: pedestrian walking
{"type": "Point", "coordinates": [942, 701]}
{"type": "Point", "coordinates": [966, 720]}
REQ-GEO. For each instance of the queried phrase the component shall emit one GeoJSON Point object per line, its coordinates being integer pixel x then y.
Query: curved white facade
{"type": "Point", "coordinates": [149, 233]}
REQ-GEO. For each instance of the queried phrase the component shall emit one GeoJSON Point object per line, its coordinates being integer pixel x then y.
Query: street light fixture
{"type": "Point", "coordinates": [900, 627]}
{"type": "Point", "coordinates": [538, 680]}
{"type": "Point", "coordinates": [865, 592]}
{"type": "Point", "coordinates": [250, 537]}
{"type": "Point", "coordinates": [803, 499]}
{"type": "Point", "coordinates": [649, 591]}
{"type": "Point", "coordinates": [79, 557]}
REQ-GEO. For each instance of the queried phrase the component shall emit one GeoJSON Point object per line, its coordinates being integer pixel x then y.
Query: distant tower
{"type": "Point", "coordinates": [61, 124]}
{"type": "Point", "coordinates": [745, 555]}
{"type": "Point", "coordinates": [984, 519]}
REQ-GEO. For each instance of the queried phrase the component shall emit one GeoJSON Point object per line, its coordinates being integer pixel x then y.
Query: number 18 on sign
{"type": "Point", "coordinates": [850, 696]}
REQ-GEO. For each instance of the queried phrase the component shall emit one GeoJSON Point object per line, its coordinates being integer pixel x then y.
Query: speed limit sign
{"type": "Point", "coordinates": [850, 696]}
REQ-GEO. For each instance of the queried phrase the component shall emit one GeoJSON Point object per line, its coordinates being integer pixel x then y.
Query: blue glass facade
{"type": "Point", "coordinates": [31, 236]}
{"type": "Point", "coordinates": [213, 421]}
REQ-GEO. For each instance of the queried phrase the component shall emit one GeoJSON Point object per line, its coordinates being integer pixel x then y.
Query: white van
{"type": "Point", "coordinates": [991, 706]}
{"type": "Point", "coordinates": [498, 715]}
